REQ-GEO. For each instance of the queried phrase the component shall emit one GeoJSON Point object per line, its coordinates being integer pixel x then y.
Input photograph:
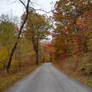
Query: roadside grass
{"type": "Point", "coordinates": [8, 80]}
{"type": "Point", "coordinates": [68, 65]}
{"type": "Point", "coordinates": [90, 81]}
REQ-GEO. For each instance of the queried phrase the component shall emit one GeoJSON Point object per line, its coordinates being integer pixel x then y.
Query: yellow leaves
{"type": "Point", "coordinates": [75, 57]}
{"type": "Point", "coordinates": [3, 54]}
{"type": "Point", "coordinates": [37, 27]}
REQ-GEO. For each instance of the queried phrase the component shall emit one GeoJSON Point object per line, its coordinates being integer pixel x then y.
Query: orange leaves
{"type": "Point", "coordinates": [48, 47]}
{"type": "Point", "coordinates": [73, 24]}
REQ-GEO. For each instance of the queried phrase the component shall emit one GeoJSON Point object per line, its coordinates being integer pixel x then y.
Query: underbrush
{"type": "Point", "coordinates": [16, 73]}
{"type": "Point", "coordinates": [79, 68]}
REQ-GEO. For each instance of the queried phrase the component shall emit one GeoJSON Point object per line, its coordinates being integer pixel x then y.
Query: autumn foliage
{"type": "Point", "coordinates": [73, 26]}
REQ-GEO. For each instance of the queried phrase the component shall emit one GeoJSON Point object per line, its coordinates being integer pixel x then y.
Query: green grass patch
{"type": "Point", "coordinates": [89, 81]}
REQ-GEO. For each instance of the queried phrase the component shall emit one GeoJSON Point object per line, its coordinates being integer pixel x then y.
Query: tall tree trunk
{"type": "Point", "coordinates": [37, 53]}
{"type": "Point", "coordinates": [35, 43]}
{"type": "Point", "coordinates": [37, 58]}
{"type": "Point", "coordinates": [11, 55]}
{"type": "Point", "coordinates": [19, 35]}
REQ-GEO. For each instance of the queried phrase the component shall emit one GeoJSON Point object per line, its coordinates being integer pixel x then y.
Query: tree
{"type": "Point", "coordinates": [7, 38]}
{"type": "Point", "coordinates": [68, 11]}
{"type": "Point", "coordinates": [66, 14]}
{"type": "Point", "coordinates": [19, 34]}
{"type": "Point", "coordinates": [7, 33]}
{"type": "Point", "coordinates": [37, 30]}
{"type": "Point", "coordinates": [85, 24]}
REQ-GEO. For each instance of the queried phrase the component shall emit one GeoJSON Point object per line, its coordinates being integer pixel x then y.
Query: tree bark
{"type": "Point", "coordinates": [37, 54]}
{"type": "Point", "coordinates": [35, 43]}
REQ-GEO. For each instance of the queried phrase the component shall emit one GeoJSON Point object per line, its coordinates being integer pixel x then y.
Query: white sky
{"type": "Point", "coordinates": [14, 8]}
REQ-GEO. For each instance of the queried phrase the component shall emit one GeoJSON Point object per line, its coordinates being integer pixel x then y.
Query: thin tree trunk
{"type": "Point", "coordinates": [50, 58]}
{"type": "Point", "coordinates": [37, 58]}
{"type": "Point", "coordinates": [11, 55]}
{"type": "Point", "coordinates": [19, 35]}
{"type": "Point", "coordinates": [76, 64]}
{"type": "Point", "coordinates": [37, 54]}
{"type": "Point", "coordinates": [36, 48]}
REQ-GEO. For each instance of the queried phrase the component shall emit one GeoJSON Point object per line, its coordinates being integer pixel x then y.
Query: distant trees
{"type": "Point", "coordinates": [48, 51]}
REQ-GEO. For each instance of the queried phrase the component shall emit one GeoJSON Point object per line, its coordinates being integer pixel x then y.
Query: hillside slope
{"type": "Point", "coordinates": [80, 68]}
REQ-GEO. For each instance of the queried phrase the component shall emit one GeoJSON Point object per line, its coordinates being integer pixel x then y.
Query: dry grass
{"type": "Point", "coordinates": [7, 80]}
{"type": "Point", "coordinates": [73, 69]}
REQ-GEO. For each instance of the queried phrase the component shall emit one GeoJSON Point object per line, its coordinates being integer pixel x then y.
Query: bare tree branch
{"type": "Point", "coordinates": [34, 3]}
{"type": "Point", "coordinates": [22, 3]}
{"type": "Point", "coordinates": [43, 10]}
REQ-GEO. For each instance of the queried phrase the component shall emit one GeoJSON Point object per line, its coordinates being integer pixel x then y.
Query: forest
{"type": "Point", "coordinates": [26, 45]}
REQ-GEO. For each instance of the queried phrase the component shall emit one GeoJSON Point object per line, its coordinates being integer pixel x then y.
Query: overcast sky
{"type": "Point", "coordinates": [14, 8]}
